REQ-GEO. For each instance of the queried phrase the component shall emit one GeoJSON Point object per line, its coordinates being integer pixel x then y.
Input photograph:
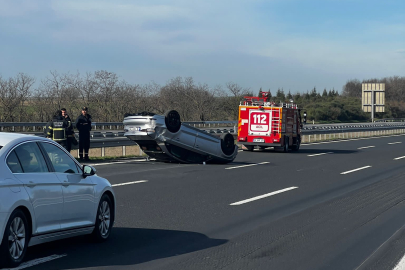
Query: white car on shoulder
{"type": "Point", "coordinates": [46, 195]}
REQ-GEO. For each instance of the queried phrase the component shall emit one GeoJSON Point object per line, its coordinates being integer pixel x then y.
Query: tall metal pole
{"type": "Point", "coordinates": [372, 106]}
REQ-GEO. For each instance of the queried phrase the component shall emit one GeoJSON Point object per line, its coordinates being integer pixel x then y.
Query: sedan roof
{"type": "Point", "coordinates": [6, 137]}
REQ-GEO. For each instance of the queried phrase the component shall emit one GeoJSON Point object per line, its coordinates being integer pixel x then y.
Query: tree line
{"type": "Point", "coordinates": [109, 98]}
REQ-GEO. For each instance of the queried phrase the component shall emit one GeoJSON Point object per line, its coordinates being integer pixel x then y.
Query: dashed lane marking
{"type": "Point", "coordinates": [355, 170]}
{"type": "Point", "coordinates": [365, 147]}
{"type": "Point", "coordinates": [399, 158]}
{"type": "Point", "coordinates": [320, 154]}
{"type": "Point", "coordinates": [248, 165]}
{"type": "Point", "coordinates": [130, 183]}
{"type": "Point", "coordinates": [263, 196]}
{"type": "Point", "coordinates": [394, 142]}
{"type": "Point", "coordinates": [37, 261]}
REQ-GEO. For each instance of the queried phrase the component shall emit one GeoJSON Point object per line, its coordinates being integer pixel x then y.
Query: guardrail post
{"type": "Point", "coordinates": [102, 151]}
{"type": "Point", "coordinates": [124, 150]}
{"type": "Point", "coordinates": [110, 127]}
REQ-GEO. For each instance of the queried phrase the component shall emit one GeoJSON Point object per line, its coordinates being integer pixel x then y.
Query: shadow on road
{"type": "Point", "coordinates": [126, 246]}
{"type": "Point", "coordinates": [306, 151]}
{"type": "Point", "coordinates": [318, 151]}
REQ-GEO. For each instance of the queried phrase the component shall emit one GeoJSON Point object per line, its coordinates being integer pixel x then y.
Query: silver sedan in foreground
{"type": "Point", "coordinates": [46, 195]}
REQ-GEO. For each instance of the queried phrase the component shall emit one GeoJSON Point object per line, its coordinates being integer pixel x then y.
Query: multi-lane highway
{"type": "Point", "coordinates": [335, 205]}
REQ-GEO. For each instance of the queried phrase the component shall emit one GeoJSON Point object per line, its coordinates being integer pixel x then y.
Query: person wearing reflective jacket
{"type": "Point", "coordinates": [56, 129]}
{"type": "Point", "coordinates": [70, 134]}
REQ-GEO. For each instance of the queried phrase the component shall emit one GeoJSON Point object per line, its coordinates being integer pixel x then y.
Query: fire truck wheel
{"type": "Point", "coordinates": [248, 148]}
{"type": "Point", "coordinates": [172, 121]}
{"type": "Point", "coordinates": [227, 144]}
{"type": "Point", "coordinates": [286, 146]}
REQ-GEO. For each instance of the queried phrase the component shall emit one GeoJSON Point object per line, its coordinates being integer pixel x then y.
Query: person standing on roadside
{"type": "Point", "coordinates": [69, 131]}
{"type": "Point", "coordinates": [56, 129]}
{"type": "Point", "coordinates": [83, 124]}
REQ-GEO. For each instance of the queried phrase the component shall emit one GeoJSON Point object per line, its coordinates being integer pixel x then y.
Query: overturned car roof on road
{"type": "Point", "coordinates": [165, 138]}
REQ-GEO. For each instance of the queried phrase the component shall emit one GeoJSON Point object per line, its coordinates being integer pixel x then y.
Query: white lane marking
{"type": "Point", "coordinates": [117, 162]}
{"type": "Point", "coordinates": [365, 147]}
{"type": "Point", "coordinates": [394, 142]}
{"type": "Point", "coordinates": [401, 264]}
{"type": "Point", "coordinates": [355, 170]}
{"type": "Point", "coordinates": [320, 154]}
{"type": "Point", "coordinates": [263, 196]}
{"type": "Point", "coordinates": [37, 261]}
{"type": "Point", "coordinates": [346, 140]}
{"type": "Point", "coordinates": [399, 158]}
{"type": "Point", "coordinates": [130, 183]}
{"type": "Point", "coordinates": [237, 167]}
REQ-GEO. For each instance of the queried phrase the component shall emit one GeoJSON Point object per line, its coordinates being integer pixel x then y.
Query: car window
{"type": "Point", "coordinates": [13, 163]}
{"type": "Point", "coordinates": [61, 161]}
{"type": "Point", "coordinates": [31, 158]}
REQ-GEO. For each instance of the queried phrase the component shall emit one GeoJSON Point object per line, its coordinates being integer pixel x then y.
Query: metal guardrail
{"type": "Point", "coordinates": [101, 139]}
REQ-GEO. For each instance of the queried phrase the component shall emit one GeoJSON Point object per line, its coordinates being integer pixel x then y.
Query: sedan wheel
{"type": "Point", "coordinates": [15, 240]}
{"type": "Point", "coordinates": [104, 220]}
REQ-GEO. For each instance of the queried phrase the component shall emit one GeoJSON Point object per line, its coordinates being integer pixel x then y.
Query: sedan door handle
{"type": "Point", "coordinates": [31, 184]}
{"type": "Point", "coordinates": [65, 183]}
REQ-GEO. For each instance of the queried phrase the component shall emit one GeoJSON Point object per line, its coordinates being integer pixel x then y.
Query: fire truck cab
{"type": "Point", "coordinates": [263, 124]}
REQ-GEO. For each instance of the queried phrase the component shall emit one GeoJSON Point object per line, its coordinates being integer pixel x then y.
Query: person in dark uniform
{"type": "Point", "coordinates": [83, 124]}
{"type": "Point", "coordinates": [56, 129]}
{"type": "Point", "coordinates": [70, 134]}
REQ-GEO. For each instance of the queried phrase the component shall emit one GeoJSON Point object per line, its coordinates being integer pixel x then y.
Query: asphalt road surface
{"type": "Point", "coordinates": [336, 205]}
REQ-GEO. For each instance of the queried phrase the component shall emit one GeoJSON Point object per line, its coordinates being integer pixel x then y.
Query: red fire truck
{"type": "Point", "coordinates": [265, 124]}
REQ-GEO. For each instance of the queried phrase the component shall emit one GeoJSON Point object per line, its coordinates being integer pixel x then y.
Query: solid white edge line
{"type": "Point", "coordinates": [394, 142]}
{"type": "Point", "coordinates": [355, 170]}
{"type": "Point", "coordinates": [399, 158]}
{"type": "Point", "coordinates": [365, 147]}
{"type": "Point", "coordinates": [36, 262]}
{"type": "Point", "coordinates": [401, 264]}
{"type": "Point", "coordinates": [130, 183]}
{"type": "Point", "coordinates": [248, 165]}
{"type": "Point", "coordinates": [346, 140]}
{"type": "Point", "coordinates": [320, 154]}
{"type": "Point", "coordinates": [118, 162]}
{"type": "Point", "coordinates": [263, 196]}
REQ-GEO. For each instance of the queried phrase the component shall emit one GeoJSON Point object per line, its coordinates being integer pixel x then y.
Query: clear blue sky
{"type": "Point", "coordinates": [294, 44]}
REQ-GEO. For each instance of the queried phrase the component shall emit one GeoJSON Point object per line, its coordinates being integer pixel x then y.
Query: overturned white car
{"type": "Point", "coordinates": [165, 138]}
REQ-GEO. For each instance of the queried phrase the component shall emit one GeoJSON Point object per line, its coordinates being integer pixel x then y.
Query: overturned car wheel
{"type": "Point", "coordinates": [172, 121]}
{"type": "Point", "coordinates": [227, 144]}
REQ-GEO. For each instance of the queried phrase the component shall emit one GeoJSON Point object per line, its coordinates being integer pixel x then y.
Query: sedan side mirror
{"type": "Point", "coordinates": [88, 170]}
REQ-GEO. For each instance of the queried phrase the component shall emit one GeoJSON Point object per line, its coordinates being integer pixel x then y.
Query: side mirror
{"type": "Point", "coordinates": [88, 170]}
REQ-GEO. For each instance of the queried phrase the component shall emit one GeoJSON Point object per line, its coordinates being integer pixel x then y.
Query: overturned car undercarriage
{"type": "Point", "coordinates": [165, 138]}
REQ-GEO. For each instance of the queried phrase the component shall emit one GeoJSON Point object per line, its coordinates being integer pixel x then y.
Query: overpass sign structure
{"type": "Point", "coordinates": [373, 98]}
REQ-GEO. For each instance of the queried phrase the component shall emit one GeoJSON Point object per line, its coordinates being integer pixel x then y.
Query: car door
{"type": "Point", "coordinates": [43, 187]}
{"type": "Point", "coordinates": [79, 207]}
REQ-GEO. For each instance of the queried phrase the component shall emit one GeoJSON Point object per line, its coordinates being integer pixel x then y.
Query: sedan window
{"type": "Point", "coordinates": [13, 163]}
{"type": "Point", "coordinates": [61, 161]}
{"type": "Point", "coordinates": [31, 158]}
